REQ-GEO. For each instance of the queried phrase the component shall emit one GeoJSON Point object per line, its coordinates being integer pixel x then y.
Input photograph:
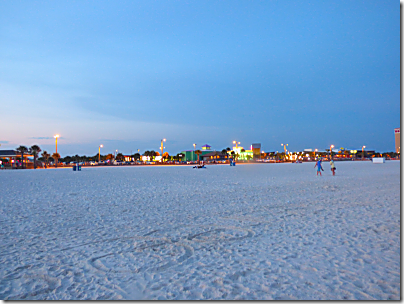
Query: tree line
{"type": "Point", "coordinates": [46, 158]}
{"type": "Point", "coordinates": [35, 150]}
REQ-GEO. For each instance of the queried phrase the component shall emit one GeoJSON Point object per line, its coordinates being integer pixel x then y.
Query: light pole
{"type": "Point", "coordinates": [363, 152]}
{"type": "Point", "coordinates": [56, 141]}
{"type": "Point", "coordinates": [284, 147]}
{"type": "Point", "coordinates": [162, 148]}
{"type": "Point", "coordinates": [315, 152]}
{"type": "Point", "coordinates": [115, 153]}
{"type": "Point", "coordinates": [332, 146]}
{"type": "Point", "coordinates": [99, 152]}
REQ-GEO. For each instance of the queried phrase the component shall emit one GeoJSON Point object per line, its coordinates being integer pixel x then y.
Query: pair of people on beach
{"type": "Point", "coordinates": [320, 168]}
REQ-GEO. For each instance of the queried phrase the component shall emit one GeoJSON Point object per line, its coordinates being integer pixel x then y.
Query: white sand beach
{"type": "Point", "coordinates": [253, 232]}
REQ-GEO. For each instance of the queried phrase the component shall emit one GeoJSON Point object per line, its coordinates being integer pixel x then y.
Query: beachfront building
{"type": "Point", "coordinates": [397, 139]}
{"type": "Point", "coordinates": [190, 155]}
{"type": "Point", "coordinates": [9, 158]}
{"type": "Point", "coordinates": [128, 158]}
{"type": "Point", "coordinates": [256, 149]}
{"type": "Point", "coordinates": [242, 155]}
{"type": "Point", "coordinates": [215, 156]}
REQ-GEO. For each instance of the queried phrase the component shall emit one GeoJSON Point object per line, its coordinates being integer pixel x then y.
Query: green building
{"type": "Point", "coordinates": [191, 156]}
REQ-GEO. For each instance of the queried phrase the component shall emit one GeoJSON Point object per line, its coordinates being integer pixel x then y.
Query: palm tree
{"type": "Point", "coordinates": [56, 156]}
{"type": "Point", "coordinates": [233, 154]}
{"type": "Point", "coordinates": [136, 156]}
{"type": "Point", "coordinates": [119, 156]}
{"type": "Point", "coordinates": [198, 152]}
{"type": "Point", "coordinates": [35, 151]}
{"type": "Point", "coordinates": [45, 156]}
{"type": "Point", "coordinates": [152, 154]}
{"type": "Point", "coordinates": [224, 153]}
{"type": "Point", "coordinates": [22, 150]}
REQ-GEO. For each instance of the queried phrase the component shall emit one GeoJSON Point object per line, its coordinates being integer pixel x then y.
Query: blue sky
{"type": "Point", "coordinates": [127, 74]}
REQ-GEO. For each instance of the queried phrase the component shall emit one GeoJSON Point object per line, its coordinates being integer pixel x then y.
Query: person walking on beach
{"type": "Point", "coordinates": [319, 168]}
{"type": "Point", "coordinates": [332, 167]}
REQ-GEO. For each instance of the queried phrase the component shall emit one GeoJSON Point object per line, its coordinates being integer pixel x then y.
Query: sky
{"type": "Point", "coordinates": [127, 74]}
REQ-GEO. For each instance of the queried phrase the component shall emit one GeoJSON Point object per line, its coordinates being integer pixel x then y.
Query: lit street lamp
{"type": "Point", "coordinates": [56, 138]}
{"type": "Point", "coordinates": [284, 147]}
{"type": "Point", "coordinates": [236, 143]}
{"type": "Point", "coordinates": [332, 146]}
{"type": "Point", "coordinates": [363, 152]}
{"type": "Point", "coordinates": [99, 152]}
{"type": "Point", "coordinates": [162, 148]}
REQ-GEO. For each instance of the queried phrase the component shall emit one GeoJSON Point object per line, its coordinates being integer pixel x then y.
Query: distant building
{"type": "Point", "coordinates": [128, 158]}
{"type": "Point", "coordinates": [397, 139]}
{"type": "Point", "coordinates": [256, 150]}
{"type": "Point", "coordinates": [242, 153]}
{"type": "Point", "coordinates": [206, 147]}
{"type": "Point", "coordinates": [215, 156]}
{"type": "Point", "coordinates": [11, 156]}
{"type": "Point", "coordinates": [191, 156]}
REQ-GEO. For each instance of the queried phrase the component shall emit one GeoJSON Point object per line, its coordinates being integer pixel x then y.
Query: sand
{"type": "Point", "coordinates": [263, 231]}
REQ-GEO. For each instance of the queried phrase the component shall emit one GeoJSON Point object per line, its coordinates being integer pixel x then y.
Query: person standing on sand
{"type": "Point", "coordinates": [332, 167]}
{"type": "Point", "coordinates": [319, 168]}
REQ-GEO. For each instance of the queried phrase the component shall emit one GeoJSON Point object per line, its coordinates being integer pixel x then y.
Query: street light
{"type": "Point", "coordinates": [363, 152]}
{"type": "Point", "coordinates": [332, 146]}
{"type": "Point", "coordinates": [236, 143]}
{"type": "Point", "coordinates": [99, 152]}
{"type": "Point", "coordinates": [56, 138]}
{"type": "Point", "coordinates": [162, 148]}
{"type": "Point", "coordinates": [284, 147]}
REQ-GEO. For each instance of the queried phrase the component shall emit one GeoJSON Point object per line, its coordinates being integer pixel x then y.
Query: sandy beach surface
{"type": "Point", "coordinates": [254, 232]}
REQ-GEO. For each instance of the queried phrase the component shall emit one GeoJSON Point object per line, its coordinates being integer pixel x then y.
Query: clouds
{"type": "Point", "coordinates": [43, 137]}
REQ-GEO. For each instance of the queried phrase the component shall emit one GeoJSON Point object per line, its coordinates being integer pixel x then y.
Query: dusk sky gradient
{"type": "Point", "coordinates": [127, 74]}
